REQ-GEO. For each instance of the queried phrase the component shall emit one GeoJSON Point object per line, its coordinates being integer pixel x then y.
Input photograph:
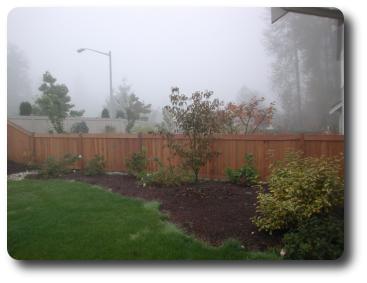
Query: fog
{"type": "Point", "coordinates": [234, 52]}
{"type": "Point", "coordinates": [218, 49]}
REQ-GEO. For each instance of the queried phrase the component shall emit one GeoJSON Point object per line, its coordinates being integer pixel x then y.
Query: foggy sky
{"type": "Point", "coordinates": [218, 49]}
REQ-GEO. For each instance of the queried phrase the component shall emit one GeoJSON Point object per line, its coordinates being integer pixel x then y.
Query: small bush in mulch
{"type": "Point", "coordinates": [304, 194]}
{"type": "Point", "coordinates": [95, 166]}
{"type": "Point", "coordinates": [138, 163]}
{"type": "Point", "coordinates": [299, 188]}
{"type": "Point", "coordinates": [247, 175]}
{"type": "Point", "coordinates": [55, 168]}
{"type": "Point", "coordinates": [165, 176]}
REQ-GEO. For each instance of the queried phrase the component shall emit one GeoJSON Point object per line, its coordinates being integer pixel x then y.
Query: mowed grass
{"type": "Point", "coordinates": [56, 219]}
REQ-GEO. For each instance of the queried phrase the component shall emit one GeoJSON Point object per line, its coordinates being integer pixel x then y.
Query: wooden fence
{"type": "Point", "coordinates": [24, 146]}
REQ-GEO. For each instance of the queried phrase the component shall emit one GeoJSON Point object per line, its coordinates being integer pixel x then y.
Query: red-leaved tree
{"type": "Point", "coordinates": [246, 117]}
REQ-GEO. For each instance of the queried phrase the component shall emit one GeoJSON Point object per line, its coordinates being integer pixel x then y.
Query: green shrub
{"type": "Point", "coordinates": [138, 163]}
{"type": "Point", "coordinates": [50, 168]}
{"type": "Point", "coordinates": [25, 109]}
{"type": "Point", "coordinates": [54, 168]}
{"type": "Point", "coordinates": [95, 166]}
{"type": "Point", "coordinates": [105, 113]}
{"type": "Point", "coordinates": [165, 176]}
{"type": "Point", "coordinates": [79, 128]}
{"type": "Point", "coordinates": [316, 238]}
{"type": "Point", "coordinates": [299, 188]}
{"type": "Point", "coordinates": [246, 175]}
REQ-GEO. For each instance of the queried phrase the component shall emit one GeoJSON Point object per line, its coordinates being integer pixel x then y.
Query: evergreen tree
{"type": "Point", "coordinates": [25, 109]}
{"type": "Point", "coordinates": [105, 113]}
{"type": "Point", "coordinates": [54, 101]}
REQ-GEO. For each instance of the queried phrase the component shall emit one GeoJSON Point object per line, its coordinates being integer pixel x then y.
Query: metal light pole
{"type": "Point", "coordinates": [109, 54]}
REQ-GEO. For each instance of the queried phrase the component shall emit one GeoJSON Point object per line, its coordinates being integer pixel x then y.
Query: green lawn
{"type": "Point", "coordinates": [57, 219]}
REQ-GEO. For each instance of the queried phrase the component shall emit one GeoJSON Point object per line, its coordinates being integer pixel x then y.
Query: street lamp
{"type": "Point", "coordinates": [110, 61]}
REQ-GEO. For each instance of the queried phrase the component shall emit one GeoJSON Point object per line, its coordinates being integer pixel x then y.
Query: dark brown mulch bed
{"type": "Point", "coordinates": [212, 211]}
{"type": "Point", "coordinates": [14, 167]}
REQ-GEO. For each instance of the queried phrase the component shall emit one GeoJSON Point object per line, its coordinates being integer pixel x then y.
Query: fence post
{"type": "Point", "coordinates": [266, 162]}
{"type": "Point", "coordinates": [302, 143]}
{"type": "Point", "coordinates": [33, 139]}
{"type": "Point", "coordinates": [140, 141]}
{"type": "Point", "coordinates": [81, 152]}
{"type": "Point", "coordinates": [210, 165]}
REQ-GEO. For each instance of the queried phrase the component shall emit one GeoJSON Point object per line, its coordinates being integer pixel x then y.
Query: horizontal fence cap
{"type": "Point", "coordinates": [294, 137]}
{"type": "Point", "coordinates": [37, 135]}
{"type": "Point", "coordinates": [324, 137]}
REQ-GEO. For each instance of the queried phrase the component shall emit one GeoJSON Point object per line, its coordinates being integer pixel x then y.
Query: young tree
{"type": "Point", "coordinates": [25, 109]}
{"type": "Point", "coordinates": [247, 117]}
{"type": "Point", "coordinates": [54, 101]}
{"type": "Point", "coordinates": [128, 106]}
{"type": "Point", "coordinates": [196, 118]}
{"type": "Point", "coordinates": [105, 113]}
{"type": "Point", "coordinates": [134, 110]}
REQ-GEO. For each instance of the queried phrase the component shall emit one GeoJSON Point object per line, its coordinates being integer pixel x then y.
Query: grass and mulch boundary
{"type": "Point", "coordinates": [66, 219]}
{"type": "Point", "coordinates": [212, 211]}
{"type": "Point", "coordinates": [14, 167]}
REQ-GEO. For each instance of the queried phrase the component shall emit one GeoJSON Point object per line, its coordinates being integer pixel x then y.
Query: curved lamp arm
{"type": "Point", "coordinates": [93, 50]}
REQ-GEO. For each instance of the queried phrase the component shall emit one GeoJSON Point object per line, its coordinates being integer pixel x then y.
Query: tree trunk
{"type": "Point", "coordinates": [196, 172]}
{"type": "Point", "coordinates": [298, 85]}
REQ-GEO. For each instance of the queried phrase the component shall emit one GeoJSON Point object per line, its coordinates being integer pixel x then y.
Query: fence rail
{"type": "Point", "coordinates": [24, 146]}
